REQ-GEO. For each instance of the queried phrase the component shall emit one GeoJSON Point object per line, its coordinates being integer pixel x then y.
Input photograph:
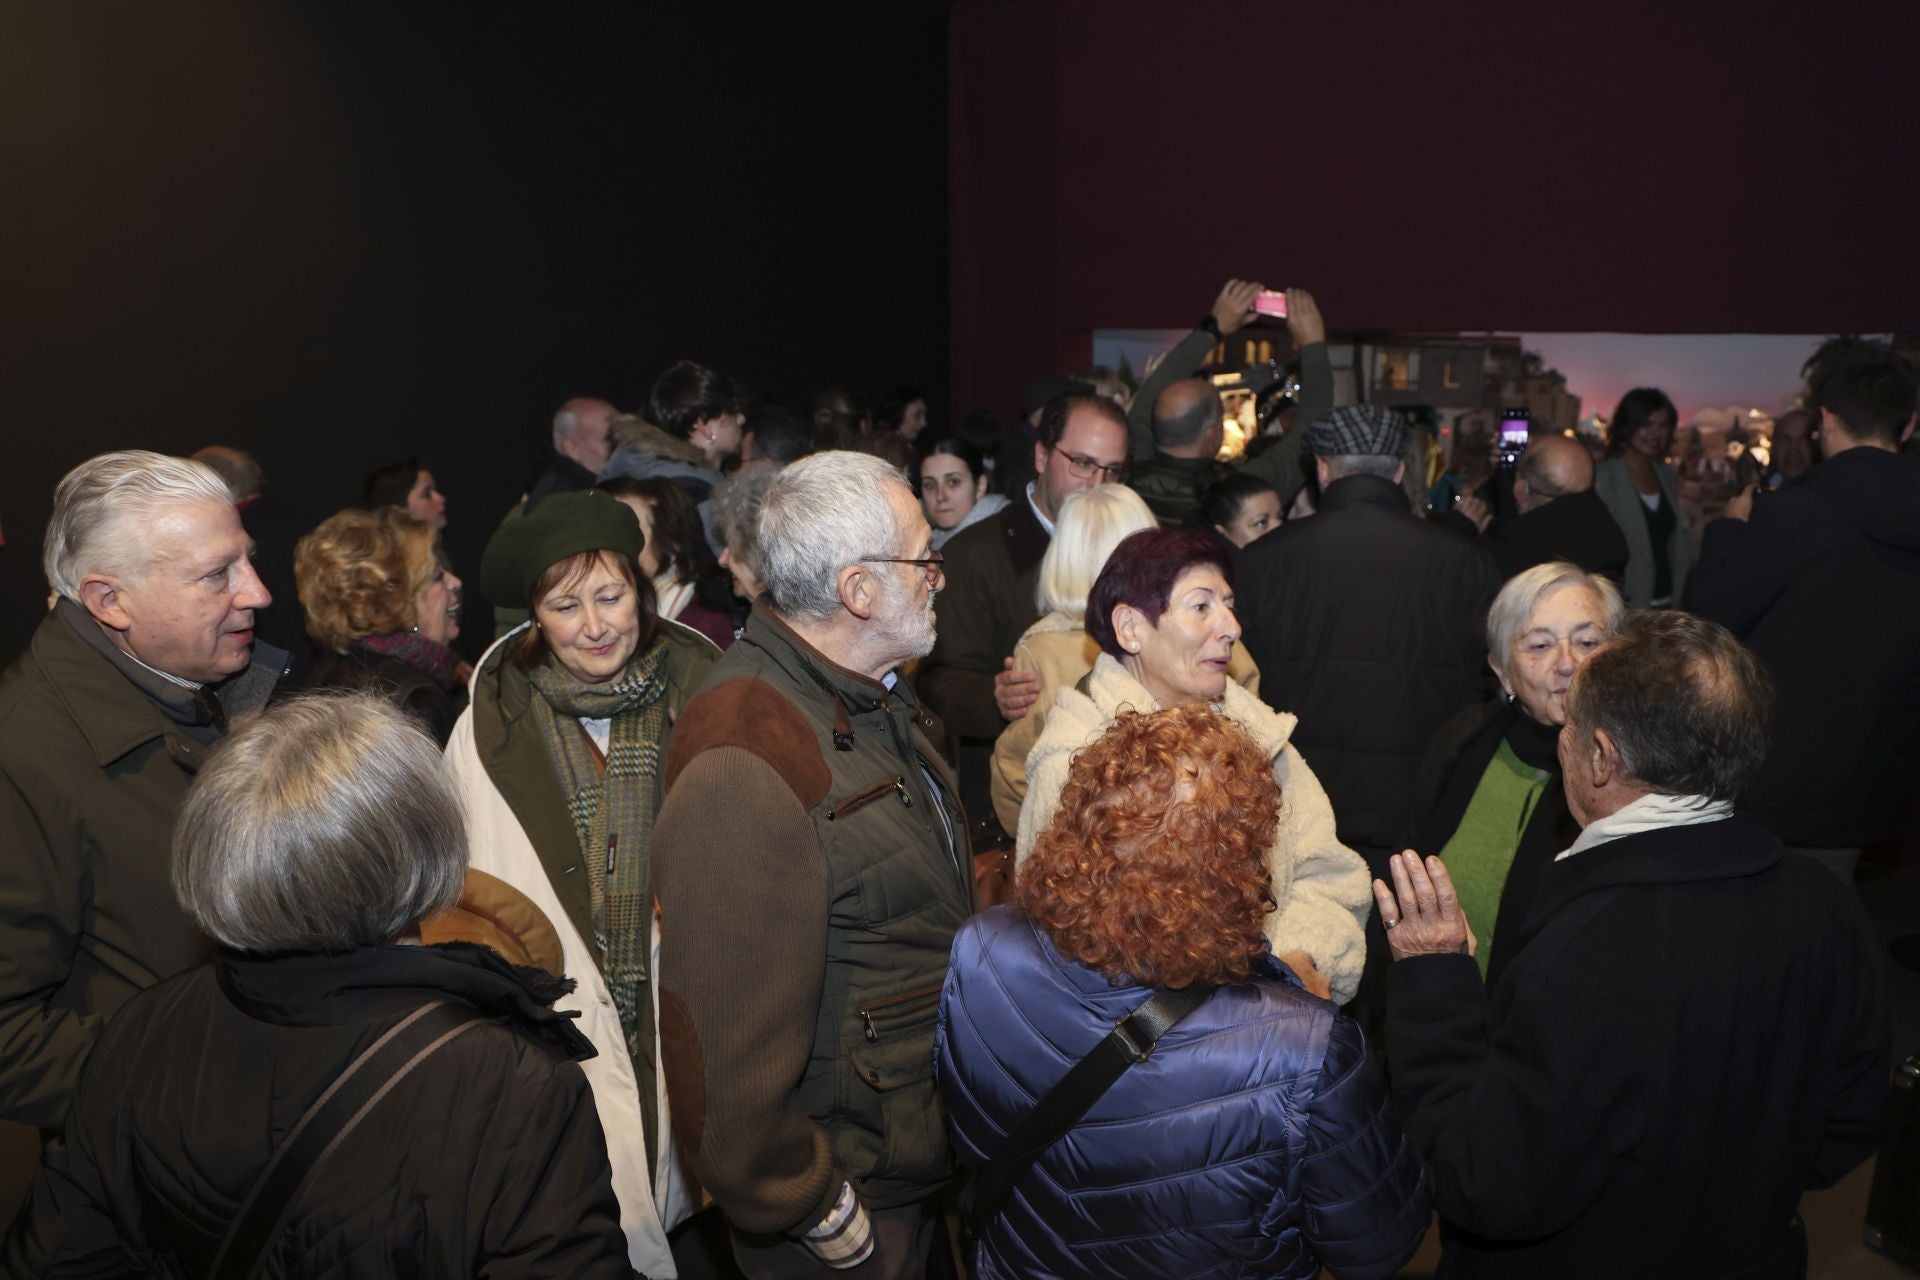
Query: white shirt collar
{"type": "Point", "coordinates": [1649, 813]}
{"type": "Point", "coordinates": [1038, 514]}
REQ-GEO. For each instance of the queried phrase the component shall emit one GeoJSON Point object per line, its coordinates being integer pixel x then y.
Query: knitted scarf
{"type": "Point", "coordinates": [429, 657]}
{"type": "Point", "coordinates": [612, 812]}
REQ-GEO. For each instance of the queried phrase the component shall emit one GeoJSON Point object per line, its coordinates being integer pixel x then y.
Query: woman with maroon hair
{"type": "Point", "coordinates": [1162, 613]}
{"type": "Point", "coordinates": [1256, 1140]}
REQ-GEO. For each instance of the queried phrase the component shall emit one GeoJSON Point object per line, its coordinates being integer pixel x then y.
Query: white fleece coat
{"type": "Point", "coordinates": [1322, 886]}
{"type": "Point", "coordinates": [497, 844]}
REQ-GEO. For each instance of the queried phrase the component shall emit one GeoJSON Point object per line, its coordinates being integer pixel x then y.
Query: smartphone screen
{"type": "Point", "coordinates": [1513, 433]}
{"type": "Point", "coordinates": [1271, 302]}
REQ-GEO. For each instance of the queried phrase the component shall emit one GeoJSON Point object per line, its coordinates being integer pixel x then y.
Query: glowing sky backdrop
{"type": "Point", "coordinates": [1700, 371]}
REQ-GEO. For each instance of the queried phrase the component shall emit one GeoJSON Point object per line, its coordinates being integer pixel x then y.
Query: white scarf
{"type": "Point", "coordinates": [671, 596]}
{"type": "Point", "coordinates": [1649, 813]}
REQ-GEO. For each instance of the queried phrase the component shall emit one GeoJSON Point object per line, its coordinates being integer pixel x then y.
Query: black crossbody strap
{"type": "Point", "coordinates": [333, 1115]}
{"type": "Point", "coordinates": [1132, 1039]}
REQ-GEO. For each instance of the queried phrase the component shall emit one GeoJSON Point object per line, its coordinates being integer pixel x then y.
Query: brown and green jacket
{"type": "Point", "coordinates": [811, 866]}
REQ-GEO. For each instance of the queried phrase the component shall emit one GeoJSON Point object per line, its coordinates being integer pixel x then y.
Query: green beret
{"type": "Point", "coordinates": [563, 525]}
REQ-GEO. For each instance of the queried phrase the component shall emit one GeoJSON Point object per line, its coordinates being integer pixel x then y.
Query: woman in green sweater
{"type": "Point", "coordinates": [1488, 797]}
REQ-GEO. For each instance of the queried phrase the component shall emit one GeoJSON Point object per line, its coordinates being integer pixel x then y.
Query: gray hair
{"type": "Point", "coordinates": [1507, 618]}
{"type": "Point", "coordinates": [324, 824]}
{"type": "Point", "coordinates": [100, 506]}
{"type": "Point", "coordinates": [565, 423]}
{"type": "Point", "coordinates": [823, 513]}
{"type": "Point", "coordinates": [736, 515]}
{"type": "Point", "coordinates": [1383, 465]}
{"type": "Point", "coordinates": [1686, 704]}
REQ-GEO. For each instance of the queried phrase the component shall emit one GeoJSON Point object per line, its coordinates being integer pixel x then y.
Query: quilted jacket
{"type": "Point", "coordinates": [1255, 1141]}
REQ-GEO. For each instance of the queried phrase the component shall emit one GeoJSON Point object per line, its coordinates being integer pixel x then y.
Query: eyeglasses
{"type": "Point", "coordinates": [933, 565]}
{"type": "Point", "coordinates": [1081, 467]}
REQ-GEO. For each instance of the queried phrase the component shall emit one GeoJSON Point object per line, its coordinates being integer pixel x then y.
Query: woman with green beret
{"type": "Point", "coordinates": [559, 761]}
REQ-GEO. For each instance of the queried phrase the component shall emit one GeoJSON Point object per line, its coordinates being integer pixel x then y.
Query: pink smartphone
{"type": "Point", "coordinates": [1271, 302]}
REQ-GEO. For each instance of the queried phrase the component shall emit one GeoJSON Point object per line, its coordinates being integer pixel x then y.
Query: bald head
{"type": "Point", "coordinates": [1186, 420]}
{"type": "Point", "coordinates": [580, 431]}
{"type": "Point", "coordinates": [1553, 467]}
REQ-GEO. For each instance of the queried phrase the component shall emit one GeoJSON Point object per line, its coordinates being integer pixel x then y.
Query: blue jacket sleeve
{"type": "Point", "coordinates": [1363, 1189]}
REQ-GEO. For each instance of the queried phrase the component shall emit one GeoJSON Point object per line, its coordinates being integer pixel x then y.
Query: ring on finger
{"type": "Point", "coordinates": [1390, 923]}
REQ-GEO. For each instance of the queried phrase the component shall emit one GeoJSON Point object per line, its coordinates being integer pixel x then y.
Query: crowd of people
{"type": "Point", "coordinates": [1046, 850]}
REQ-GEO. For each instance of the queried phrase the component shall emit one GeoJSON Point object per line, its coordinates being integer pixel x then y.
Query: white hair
{"type": "Point", "coordinates": [101, 506]}
{"type": "Point", "coordinates": [1383, 465]}
{"type": "Point", "coordinates": [1092, 522]}
{"type": "Point", "coordinates": [1507, 618]}
{"type": "Point", "coordinates": [821, 514]}
{"type": "Point", "coordinates": [565, 423]}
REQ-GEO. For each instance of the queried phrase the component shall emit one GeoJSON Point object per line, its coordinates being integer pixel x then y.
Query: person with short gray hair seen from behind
{"type": "Point", "coordinates": [131, 677]}
{"type": "Point", "coordinates": [1691, 1031]}
{"type": "Point", "coordinates": [311, 847]}
{"type": "Point", "coordinates": [812, 869]}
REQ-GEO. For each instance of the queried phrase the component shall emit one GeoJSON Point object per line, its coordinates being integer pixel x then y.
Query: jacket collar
{"type": "Point", "coordinates": [808, 667]}
{"type": "Point", "coordinates": [1365, 491]}
{"type": "Point", "coordinates": [1025, 537]}
{"type": "Point", "coordinates": [310, 989]}
{"type": "Point", "coordinates": [1730, 849]}
{"type": "Point", "coordinates": [636, 433]}
{"type": "Point", "coordinates": [114, 713]}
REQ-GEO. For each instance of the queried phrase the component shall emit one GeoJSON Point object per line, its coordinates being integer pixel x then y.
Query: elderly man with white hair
{"type": "Point", "coordinates": [130, 679]}
{"type": "Point", "coordinates": [811, 868]}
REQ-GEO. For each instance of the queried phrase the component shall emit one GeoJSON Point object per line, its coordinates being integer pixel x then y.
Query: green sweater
{"type": "Point", "coordinates": [1481, 850]}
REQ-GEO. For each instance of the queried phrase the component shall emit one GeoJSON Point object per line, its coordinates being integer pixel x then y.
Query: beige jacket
{"type": "Point", "coordinates": [1322, 886]}
{"type": "Point", "coordinates": [1058, 649]}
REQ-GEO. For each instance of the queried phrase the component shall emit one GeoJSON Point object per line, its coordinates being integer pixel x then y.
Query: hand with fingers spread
{"type": "Point", "coordinates": [1422, 913]}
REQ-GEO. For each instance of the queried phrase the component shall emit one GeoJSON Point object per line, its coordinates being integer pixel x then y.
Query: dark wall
{"type": "Point", "coordinates": [339, 234]}
{"type": "Point", "coordinates": [1641, 167]}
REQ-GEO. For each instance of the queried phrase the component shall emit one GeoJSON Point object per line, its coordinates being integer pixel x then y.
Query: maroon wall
{"type": "Point", "coordinates": [1635, 167]}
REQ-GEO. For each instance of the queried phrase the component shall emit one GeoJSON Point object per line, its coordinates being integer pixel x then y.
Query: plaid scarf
{"type": "Point", "coordinates": [612, 808]}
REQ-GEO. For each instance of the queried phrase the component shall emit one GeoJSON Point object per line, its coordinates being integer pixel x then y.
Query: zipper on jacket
{"type": "Point", "coordinates": [867, 795]}
{"type": "Point", "coordinates": [880, 1015]}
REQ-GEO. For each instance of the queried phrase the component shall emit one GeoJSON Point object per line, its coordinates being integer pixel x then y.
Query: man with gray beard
{"type": "Point", "coordinates": [811, 867]}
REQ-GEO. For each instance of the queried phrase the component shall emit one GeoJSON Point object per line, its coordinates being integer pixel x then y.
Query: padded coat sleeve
{"type": "Point", "coordinates": [1331, 894]}
{"type": "Point", "coordinates": [1362, 1186]}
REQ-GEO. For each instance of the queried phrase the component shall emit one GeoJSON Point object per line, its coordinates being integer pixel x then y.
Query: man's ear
{"type": "Point", "coordinates": [859, 593]}
{"type": "Point", "coordinates": [1322, 470]}
{"type": "Point", "coordinates": [1907, 434]}
{"type": "Point", "coordinates": [1039, 457]}
{"type": "Point", "coordinates": [101, 596]}
{"type": "Point", "coordinates": [1607, 762]}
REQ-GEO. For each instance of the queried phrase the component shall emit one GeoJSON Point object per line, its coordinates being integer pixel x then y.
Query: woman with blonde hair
{"type": "Point", "coordinates": [383, 611]}
{"type": "Point", "coordinates": [1057, 648]}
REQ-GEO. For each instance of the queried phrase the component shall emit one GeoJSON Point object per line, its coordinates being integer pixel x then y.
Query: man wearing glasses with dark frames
{"type": "Point", "coordinates": [992, 570]}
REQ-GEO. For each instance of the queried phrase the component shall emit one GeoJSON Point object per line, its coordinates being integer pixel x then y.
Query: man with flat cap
{"type": "Point", "coordinates": [1368, 623]}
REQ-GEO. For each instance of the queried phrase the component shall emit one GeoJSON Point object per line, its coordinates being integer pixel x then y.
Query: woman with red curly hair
{"type": "Point", "coordinates": [1161, 611]}
{"type": "Point", "coordinates": [1255, 1140]}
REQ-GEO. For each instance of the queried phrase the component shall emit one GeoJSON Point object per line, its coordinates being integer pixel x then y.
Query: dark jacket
{"type": "Point", "coordinates": [1823, 584]}
{"type": "Point", "coordinates": [92, 774]}
{"type": "Point", "coordinates": [986, 606]}
{"type": "Point", "coordinates": [1369, 624]}
{"type": "Point", "coordinates": [561, 475]}
{"type": "Point", "coordinates": [1576, 527]}
{"type": "Point", "coordinates": [487, 1159]}
{"type": "Point", "coordinates": [1171, 486]}
{"type": "Point", "coordinates": [407, 687]}
{"type": "Point", "coordinates": [1255, 1141]}
{"type": "Point", "coordinates": [1693, 1034]}
{"type": "Point", "coordinates": [811, 867]}
{"type": "Point", "coordinates": [1444, 787]}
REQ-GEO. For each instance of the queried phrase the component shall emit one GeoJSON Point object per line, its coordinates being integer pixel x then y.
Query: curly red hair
{"type": "Point", "coordinates": [1155, 867]}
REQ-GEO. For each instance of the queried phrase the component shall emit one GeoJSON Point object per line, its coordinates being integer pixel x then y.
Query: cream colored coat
{"type": "Point", "coordinates": [1058, 650]}
{"type": "Point", "coordinates": [1322, 886]}
{"type": "Point", "coordinates": [498, 845]}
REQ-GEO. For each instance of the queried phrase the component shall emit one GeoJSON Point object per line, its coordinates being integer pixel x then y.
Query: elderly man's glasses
{"type": "Point", "coordinates": [1081, 467]}
{"type": "Point", "coordinates": [934, 566]}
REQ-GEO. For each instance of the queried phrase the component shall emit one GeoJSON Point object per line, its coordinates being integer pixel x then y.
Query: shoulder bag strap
{"type": "Point", "coordinates": [326, 1124]}
{"type": "Point", "coordinates": [1132, 1040]}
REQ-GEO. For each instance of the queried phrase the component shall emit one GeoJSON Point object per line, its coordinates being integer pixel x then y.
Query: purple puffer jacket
{"type": "Point", "coordinates": [1255, 1141]}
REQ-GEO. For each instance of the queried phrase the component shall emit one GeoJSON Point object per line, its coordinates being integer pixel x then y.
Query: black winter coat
{"type": "Point", "coordinates": [405, 686]}
{"type": "Point", "coordinates": [1369, 624]}
{"type": "Point", "coordinates": [487, 1160]}
{"type": "Point", "coordinates": [1692, 1034]}
{"type": "Point", "coordinates": [1577, 528]}
{"type": "Point", "coordinates": [1823, 584]}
